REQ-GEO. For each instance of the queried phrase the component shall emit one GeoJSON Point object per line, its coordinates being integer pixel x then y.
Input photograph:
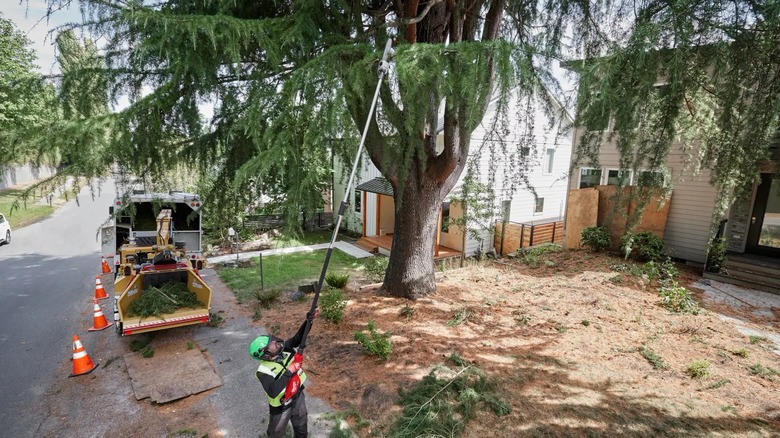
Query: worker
{"type": "Point", "coordinates": [283, 380]}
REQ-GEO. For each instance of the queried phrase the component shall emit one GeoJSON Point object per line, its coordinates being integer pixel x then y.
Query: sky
{"type": "Point", "coordinates": [29, 16]}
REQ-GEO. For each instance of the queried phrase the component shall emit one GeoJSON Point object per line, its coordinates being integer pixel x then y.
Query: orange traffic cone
{"type": "Point", "coordinates": [100, 293]}
{"type": "Point", "coordinates": [82, 364]}
{"type": "Point", "coordinates": [100, 322]}
{"type": "Point", "coordinates": [106, 269]}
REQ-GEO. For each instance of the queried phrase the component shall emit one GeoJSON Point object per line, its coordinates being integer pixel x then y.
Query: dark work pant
{"type": "Point", "coordinates": [295, 413]}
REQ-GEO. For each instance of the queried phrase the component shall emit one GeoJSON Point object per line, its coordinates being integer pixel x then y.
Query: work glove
{"type": "Point", "coordinates": [311, 315]}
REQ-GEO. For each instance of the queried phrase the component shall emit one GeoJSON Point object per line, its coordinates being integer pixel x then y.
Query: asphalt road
{"type": "Point", "coordinates": [47, 280]}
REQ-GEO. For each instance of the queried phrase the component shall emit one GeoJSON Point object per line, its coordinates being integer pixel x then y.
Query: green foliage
{"type": "Point", "coordinates": [340, 427]}
{"type": "Point", "coordinates": [286, 78]}
{"type": "Point", "coordinates": [595, 238]}
{"type": "Point", "coordinates": [375, 343]}
{"type": "Point", "coordinates": [408, 311]}
{"type": "Point", "coordinates": [742, 352]}
{"type": "Point", "coordinates": [668, 271]}
{"type": "Point", "coordinates": [542, 249]}
{"type": "Point", "coordinates": [376, 268]}
{"type": "Point", "coordinates": [460, 316]}
{"type": "Point", "coordinates": [284, 272]}
{"type": "Point", "coordinates": [444, 401]}
{"type": "Point", "coordinates": [757, 339]}
{"type": "Point", "coordinates": [337, 281]}
{"type": "Point", "coordinates": [266, 298]}
{"type": "Point", "coordinates": [27, 102]}
{"type": "Point", "coordinates": [717, 255]}
{"type": "Point", "coordinates": [332, 305]}
{"type": "Point", "coordinates": [678, 299]}
{"type": "Point", "coordinates": [698, 369]}
{"type": "Point", "coordinates": [645, 245]}
{"type": "Point", "coordinates": [763, 372]}
{"type": "Point", "coordinates": [148, 352]}
{"type": "Point", "coordinates": [653, 358]}
{"type": "Point", "coordinates": [167, 298]}
{"type": "Point", "coordinates": [719, 384]}
{"type": "Point", "coordinates": [140, 343]}
{"type": "Point", "coordinates": [215, 320]}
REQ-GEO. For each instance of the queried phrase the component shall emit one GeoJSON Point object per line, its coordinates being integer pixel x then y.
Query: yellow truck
{"type": "Point", "coordinates": [155, 242]}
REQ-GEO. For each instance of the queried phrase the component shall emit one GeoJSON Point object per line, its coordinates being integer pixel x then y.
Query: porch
{"type": "Point", "coordinates": [749, 270]}
{"type": "Point", "coordinates": [383, 244]}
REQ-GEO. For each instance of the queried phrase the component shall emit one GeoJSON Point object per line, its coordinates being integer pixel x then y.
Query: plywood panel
{"type": "Point", "coordinates": [582, 212]}
{"type": "Point", "coordinates": [613, 212]}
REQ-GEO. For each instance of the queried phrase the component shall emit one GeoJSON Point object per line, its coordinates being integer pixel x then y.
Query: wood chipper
{"type": "Point", "coordinates": [157, 284]}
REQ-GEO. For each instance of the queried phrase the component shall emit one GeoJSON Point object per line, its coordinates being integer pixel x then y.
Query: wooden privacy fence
{"type": "Point", "coordinates": [522, 235]}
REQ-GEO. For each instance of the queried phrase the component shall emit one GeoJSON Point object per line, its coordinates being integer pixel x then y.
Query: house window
{"type": "Point", "coordinates": [649, 178]}
{"type": "Point", "coordinates": [550, 161]}
{"type": "Point", "coordinates": [589, 177]}
{"type": "Point", "coordinates": [445, 217]}
{"type": "Point", "coordinates": [358, 201]}
{"type": "Point", "coordinates": [617, 177]}
{"type": "Point", "coordinates": [539, 208]}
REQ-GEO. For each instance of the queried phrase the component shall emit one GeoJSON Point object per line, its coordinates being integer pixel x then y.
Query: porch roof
{"type": "Point", "coordinates": [377, 185]}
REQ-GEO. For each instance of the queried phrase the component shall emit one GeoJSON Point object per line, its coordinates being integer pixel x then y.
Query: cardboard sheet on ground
{"type": "Point", "coordinates": [173, 372]}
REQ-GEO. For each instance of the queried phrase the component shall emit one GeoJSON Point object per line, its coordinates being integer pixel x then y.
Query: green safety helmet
{"type": "Point", "coordinates": [257, 347]}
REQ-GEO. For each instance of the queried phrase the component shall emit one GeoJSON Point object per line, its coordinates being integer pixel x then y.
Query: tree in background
{"type": "Point", "coordinates": [704, 73]}
{"type": "Point", "coordinates": [285, 78]}
{"type": "Point", "coordinates": [26, 101]}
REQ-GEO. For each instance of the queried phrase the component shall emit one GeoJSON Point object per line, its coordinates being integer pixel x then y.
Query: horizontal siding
{"type": "Point", "coordinates": [691, 212]}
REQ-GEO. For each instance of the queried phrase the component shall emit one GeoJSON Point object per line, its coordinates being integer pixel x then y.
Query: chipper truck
{"type": "Point", "coordinates": [155, 243]}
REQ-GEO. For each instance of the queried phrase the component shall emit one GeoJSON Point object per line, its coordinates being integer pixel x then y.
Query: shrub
{"type": "Point", "coordinates": [595, 238]}
{"type": "Point", "coordinates": [668, 270]}
{"type": "Point", "coordinates": [267, 297]}
{"type": "Point", "coordinates": [678, 299]}
{"type": "Point", "coordinates": [698, 369]}
{"type": "Point", "coordinates": [652, 270]}
{"type": "Point", "coordinates": [332, 305]}
{"type": "Point", "coordinates": [376, 267]}
{"type": "Point", "coordinates": [375, 343]}
{"type": "Point", "coordinates": [337, 281]}
{"type": "Point", "coordinates": [645, 245]}
{"type": "Point", "coordinates": [717, 255]}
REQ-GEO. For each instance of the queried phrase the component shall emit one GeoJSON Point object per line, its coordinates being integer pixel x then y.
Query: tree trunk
{"type": "Point", "coordinates": [410, 272]}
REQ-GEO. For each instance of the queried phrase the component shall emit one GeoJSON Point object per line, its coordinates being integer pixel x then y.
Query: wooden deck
{"type": "Point", "coordinates": [384, 243]}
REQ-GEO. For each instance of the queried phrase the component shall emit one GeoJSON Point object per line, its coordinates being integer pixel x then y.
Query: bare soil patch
{"type": "Point", "coordinates": [565, 342]}
{"type": "Point", "coordinates": [568, 344]}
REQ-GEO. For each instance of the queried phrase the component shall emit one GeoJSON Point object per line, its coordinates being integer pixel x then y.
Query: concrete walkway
{"type": "Point", "coordinates": [761, 304]}
{"type": "Point", "coordinates": [348, 248]}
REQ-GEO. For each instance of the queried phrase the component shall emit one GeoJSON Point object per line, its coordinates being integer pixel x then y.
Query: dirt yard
{"type": "Point", "coordinates": [566, 343]}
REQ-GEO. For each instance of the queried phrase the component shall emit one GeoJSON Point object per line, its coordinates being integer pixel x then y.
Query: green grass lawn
{"type": "Point", "coordinates": [308, 238]}
{"type": "Point", "coordinates": [287, 271]}
{"type": "Point", "coordinates": [24, 215]}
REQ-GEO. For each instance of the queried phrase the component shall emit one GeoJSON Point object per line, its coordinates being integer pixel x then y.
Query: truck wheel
{"type": "Point", "coordinates": [118, 328]}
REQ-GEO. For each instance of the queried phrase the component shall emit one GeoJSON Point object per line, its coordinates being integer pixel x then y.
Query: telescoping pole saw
{"type": "Point", "coordinates": [384, 67]}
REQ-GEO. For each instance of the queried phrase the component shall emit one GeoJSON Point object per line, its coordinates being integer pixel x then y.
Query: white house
{"type": "Point", "coordinates": [530, 139]}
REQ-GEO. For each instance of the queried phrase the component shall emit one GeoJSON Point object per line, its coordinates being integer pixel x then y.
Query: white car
{"type": "Point", "coordinates": [5, 230]}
